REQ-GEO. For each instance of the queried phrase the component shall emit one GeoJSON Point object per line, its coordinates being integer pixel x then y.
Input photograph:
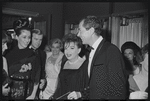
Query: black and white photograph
{"type": "Point", "coordinates": [75, 50]}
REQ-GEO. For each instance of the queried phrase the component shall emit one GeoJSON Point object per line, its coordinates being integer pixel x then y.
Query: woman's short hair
{"type": "Point", "coordinates": [56, 40]}
{"type": "Point", "coordinates": [72, 38]}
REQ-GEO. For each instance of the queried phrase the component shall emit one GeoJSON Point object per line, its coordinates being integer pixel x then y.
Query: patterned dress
{"type": "Point", "coordinates": [22, 82]}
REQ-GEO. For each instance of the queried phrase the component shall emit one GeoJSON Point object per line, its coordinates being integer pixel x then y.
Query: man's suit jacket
{"type": "Point", "coordinates": [107, 76]}
{"type": "Point", "coordinates": [42, 56]}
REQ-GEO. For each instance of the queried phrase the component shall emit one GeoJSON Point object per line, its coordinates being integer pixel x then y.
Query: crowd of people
{"type": "Point", "coordinates": [82, 66]}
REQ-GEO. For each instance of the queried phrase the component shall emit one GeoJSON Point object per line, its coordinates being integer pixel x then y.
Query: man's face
{"type": "Point", "coordinates": [84, 34]}
{"type": "Point", "coordinates": [36, 40]}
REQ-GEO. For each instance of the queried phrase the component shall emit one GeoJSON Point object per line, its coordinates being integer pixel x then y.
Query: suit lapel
{"type": "Point", "coordinates": [98, 52]}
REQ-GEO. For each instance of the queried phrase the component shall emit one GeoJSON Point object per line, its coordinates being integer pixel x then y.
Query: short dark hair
{"type": "Point", "coordinates": [72, 38]}
{"type": "Point", "coordinates": [93, 21]}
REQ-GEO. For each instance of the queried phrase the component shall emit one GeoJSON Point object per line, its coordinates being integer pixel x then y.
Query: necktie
{"type": "Point", "coordinates": [35, 51]}
{"type": "Point", "coordinates": [89, 48]}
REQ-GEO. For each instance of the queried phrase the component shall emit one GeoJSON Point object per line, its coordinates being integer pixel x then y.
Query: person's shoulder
{"type": "Point", "coordinates": [28, 49]}
{"type": "Point", "coordinates": [112, 47]}
{"type": "Point", "coordinates": [42, 51]}
{"type": "Point", "coordinates": [3, 58]}
{"type": "Point", "coordinates": [48, 54]}
{"type": "Point", "coordinates": [12, 52]}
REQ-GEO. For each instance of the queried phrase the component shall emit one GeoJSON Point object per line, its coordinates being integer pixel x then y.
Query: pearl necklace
{"type": "Point", "coordinates": [74, 61]}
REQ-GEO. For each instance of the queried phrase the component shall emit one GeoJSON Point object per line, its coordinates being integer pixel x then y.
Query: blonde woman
{"type": "Point", "coordinates": [52, 68]}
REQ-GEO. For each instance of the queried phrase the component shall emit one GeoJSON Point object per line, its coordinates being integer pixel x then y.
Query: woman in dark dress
{"type": "Point", "coordinates": [21, 63]}
{"type": "Point", "coordinates": [5, 78]}
{"type": "Point", "coordinates": [71, 76]}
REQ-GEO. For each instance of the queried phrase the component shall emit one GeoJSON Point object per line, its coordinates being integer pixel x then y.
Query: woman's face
{"type": "Point", "coordinates": [129, 54]}
{"type": "Point", "coordinates": [4, 46]}
{"type": "Point", "coordinates": [24, 39]}
{"type": "Point", "coordinates": [55, 48]}
{"type": "Point", "coordinates": [71, 50]}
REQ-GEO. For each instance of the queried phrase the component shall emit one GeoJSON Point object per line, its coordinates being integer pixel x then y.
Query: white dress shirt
{"type": "Point", "coordinates": [95, 45]}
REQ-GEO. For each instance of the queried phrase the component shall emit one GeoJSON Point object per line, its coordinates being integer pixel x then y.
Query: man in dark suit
{"type": "Point", "coordinates": [37, 37]}
{"type": "Point", "coordinates": [105, 70]}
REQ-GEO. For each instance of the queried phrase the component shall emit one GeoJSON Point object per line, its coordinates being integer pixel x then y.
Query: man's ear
{"type": "Point", "coordinates": [92, 30]}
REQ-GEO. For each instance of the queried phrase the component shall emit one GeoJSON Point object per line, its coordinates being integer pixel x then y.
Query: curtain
{"type": "Point", "coordinates": [133, 32]}
{"type": "Point", "coordinates": [115, 27]}
{"type": "Point", "coordinates": [145, 35]}
{"type": "Point", "coordinates": [67, 28]}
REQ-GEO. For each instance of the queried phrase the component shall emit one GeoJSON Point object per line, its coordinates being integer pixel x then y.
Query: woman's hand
{"type": "Point", "coordinates": [42, 83]}
{"type": "Point", "coordinates": [5, 90]}
{"type": "Point", "coordinates": [41, 95]}
{"type": "Point", "coordinates": [74, 95]}
{"type": "Point", "coordinates": [25, 68]}
{"type": "Point", "coordinates": [138, 95]}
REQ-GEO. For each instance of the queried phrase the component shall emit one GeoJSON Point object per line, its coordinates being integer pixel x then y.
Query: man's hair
{"type": "Point", "coordinates": [93, 21]}
{"type": "Point", "coordinates": [37, 31]}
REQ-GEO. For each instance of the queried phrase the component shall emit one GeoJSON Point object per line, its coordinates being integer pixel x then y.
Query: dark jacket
{"type": "Point", "coordinates": [42, 56]}
{"type": "Point", "coordinates": [107, 78]}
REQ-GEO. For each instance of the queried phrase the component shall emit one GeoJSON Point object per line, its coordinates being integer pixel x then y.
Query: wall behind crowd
{"type": "Point", "coordinates": [57, 14]}
{"type": "Point", "coordinates": [51, 11]}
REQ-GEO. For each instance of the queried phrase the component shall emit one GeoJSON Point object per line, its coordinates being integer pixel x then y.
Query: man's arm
{"type": "Point", "coordinates": [43, 61]}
